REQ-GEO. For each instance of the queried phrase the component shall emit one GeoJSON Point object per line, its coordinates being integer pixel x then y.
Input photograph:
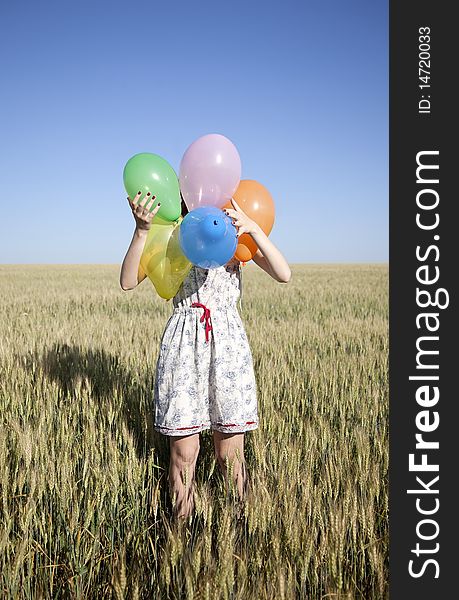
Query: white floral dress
{"type": "Point", "coordinates": [204, 373]}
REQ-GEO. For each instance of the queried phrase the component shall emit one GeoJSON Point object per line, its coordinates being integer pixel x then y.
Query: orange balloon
{"type": "Point", "coordinates": [257, 203]}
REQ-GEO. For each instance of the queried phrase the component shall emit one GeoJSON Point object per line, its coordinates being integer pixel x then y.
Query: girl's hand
{"type": "Point", "coordinates": [141, 210]}
{"type": "Point", "coordinates": [240, 219]}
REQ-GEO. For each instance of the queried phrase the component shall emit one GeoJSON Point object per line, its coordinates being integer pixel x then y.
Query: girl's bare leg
{"type": "Point", "coordinates": [184, 452]}
{"type": "Point", "coordinates": [231, 445]}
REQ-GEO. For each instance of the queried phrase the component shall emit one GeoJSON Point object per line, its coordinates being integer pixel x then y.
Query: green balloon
{"type": "Point", "coordinates": [147, 172]}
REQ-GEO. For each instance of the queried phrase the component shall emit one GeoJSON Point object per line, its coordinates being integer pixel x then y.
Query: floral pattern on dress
{"type": "Point", "coordinates": [201, 385]}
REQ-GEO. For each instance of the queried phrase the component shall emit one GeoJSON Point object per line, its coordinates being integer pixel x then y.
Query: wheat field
{"type": "Point", "coordinates": [84, 504]}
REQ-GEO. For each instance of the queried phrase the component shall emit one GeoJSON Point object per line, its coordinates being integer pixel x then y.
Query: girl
{"type": "Point", "coordinates": [204, 373]}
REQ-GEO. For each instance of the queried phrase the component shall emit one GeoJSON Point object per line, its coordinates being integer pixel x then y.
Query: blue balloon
{"type": "Point", "coordinates": [208, 237]}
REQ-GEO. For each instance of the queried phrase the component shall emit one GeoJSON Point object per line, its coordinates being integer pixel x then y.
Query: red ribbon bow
{"type": "Point", "coordinates": [206, 316]}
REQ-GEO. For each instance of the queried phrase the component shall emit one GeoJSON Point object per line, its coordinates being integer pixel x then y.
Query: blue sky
{"type": "Point", "coordinates": [300, 87]}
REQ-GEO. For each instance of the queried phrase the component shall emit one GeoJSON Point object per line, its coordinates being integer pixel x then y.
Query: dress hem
{"type": "Point", "coordinates": [230, 428]}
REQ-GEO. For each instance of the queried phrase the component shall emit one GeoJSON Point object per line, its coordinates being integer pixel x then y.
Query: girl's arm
{"type": "Point", "coordinates": [267, 257]}
{"type": "Point", "coordinates": [131, 272]}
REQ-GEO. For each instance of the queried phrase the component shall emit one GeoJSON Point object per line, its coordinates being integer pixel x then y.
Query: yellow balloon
{"type": "Point", "coordinates": [162, 259]}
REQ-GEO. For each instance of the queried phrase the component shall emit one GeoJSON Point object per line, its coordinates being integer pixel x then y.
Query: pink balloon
{"type": "Point", "coordinates": [210, 172]}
